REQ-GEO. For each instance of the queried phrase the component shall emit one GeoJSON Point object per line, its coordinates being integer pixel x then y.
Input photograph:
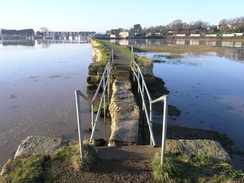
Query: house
{"type": "Point", "coordinates": [180, 35]}
{"type": "Point", "coordinates": [124, 34]}
{"type": "Point", "coordinates": [196, 31]}
{"type": "Point", "coordinates": [211, 35]}
{"type": "Point", "coordinates": [237, 34]}
{"type": "Point", "coordinates": [194, 35]}
{"type": "Point", "coordinates": [157, 33]}
{"type": "Point", "coordinates": [228, 35]}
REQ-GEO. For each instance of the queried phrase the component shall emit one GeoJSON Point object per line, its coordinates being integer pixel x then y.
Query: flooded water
{"type": "Point", "coordinates": [38, 79]}
{"type": "Point", "coordinates": [207, 88]}
{"type": "Point", "coordinates": [208, 91]}
{"type": "Point", "coordinates": [37, 83]}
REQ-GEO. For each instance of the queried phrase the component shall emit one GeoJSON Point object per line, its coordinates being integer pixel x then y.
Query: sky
{"type": "Point", "coordinates": [102, 15]}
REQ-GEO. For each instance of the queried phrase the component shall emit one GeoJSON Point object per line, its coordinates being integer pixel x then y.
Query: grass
{"type": "Point", "coordinates": [186, 168]}
{"type": "Point", "coordinates": [179, 49]}
{"type": "Point", "coordinates": [140, 60]}
{"type": "Point", "coordinates": [46, 168]}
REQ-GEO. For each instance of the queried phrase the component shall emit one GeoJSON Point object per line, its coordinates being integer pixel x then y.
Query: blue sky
{"type": "Point", "coordinates": [101, 15]}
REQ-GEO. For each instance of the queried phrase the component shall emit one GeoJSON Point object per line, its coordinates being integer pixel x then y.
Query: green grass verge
{"type": "Point", "coordinates": [186, 168]}
{"type": "Point", "coordinates": [47, 168]}
{"type": "Point", "coordinates": [140, 60]}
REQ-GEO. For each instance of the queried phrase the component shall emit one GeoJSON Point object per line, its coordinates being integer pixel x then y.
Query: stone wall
{"type": "Point", "coordinates": [124, 114]}
{"type": "Point", "coordinates": [94, 71]}
{"type": "Point", "coordinates": [97, 54]}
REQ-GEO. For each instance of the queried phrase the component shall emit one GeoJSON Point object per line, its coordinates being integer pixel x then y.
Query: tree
{"type": "Point", "coordinates": [137, 28]}
{"type": "Point", "coordinates": [177, 25]}
{"type": "Point", "coordinates": [44, 30]}
{"type": "Point", "coordinates": [223, 22]}
{"type": "Point", "coordinates": [200, 24]}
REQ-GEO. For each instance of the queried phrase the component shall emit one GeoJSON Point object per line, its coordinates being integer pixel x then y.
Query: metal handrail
{"type": "Point", "coordinates": [142, 89]}
{"type": "Point", "coordinates": [104, 84]}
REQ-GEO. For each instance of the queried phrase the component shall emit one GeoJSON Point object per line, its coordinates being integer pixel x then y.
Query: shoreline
{"type": "Point", "coordinates": [184, 38]}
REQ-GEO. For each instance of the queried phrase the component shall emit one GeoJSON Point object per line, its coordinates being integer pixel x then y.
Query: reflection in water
{"type": "Point", "coordinates": [45, 43]}
{"type": "Point", "coordinates": [18, 42]}
{"type": "Point", "coordinates": [237, 45]}
{"type": "Point", "coordinates": [209, 92]}
{"type": "Point", "coordinates": [37, 92]}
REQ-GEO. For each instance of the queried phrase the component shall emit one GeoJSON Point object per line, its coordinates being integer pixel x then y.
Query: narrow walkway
{"type": "Point", "coordinates": [122, 65]}
{"type": "Point", "coordinates": [128, 152]}
{"type": "Point", "coordinates": [123, 108]}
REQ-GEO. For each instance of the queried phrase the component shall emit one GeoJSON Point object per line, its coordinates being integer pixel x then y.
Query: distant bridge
{"type": "Point", "coordinates": [68, 35]}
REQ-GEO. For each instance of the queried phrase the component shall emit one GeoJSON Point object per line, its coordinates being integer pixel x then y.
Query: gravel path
{"type": "Point", "coordinates": [115, 164]}
{"type": "Point", "coordinates": [110, 171]}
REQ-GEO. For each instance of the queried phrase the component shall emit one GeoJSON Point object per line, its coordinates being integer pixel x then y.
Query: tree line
{"type": "Point", "coordinates": [233, 25]}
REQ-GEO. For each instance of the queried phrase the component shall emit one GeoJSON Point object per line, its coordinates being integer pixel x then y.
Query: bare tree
{"type": "Point", "coordinates": [177, 25]}
{"type": "Point", "coordinates": [200, 24]}
{"type": "Point", "coordinates": [44, 30]}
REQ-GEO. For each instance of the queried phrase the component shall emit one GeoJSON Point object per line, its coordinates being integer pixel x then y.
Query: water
{"type": "Point", "coordinates": [207, 88]}
{"type": "Point", "coordinates": [209, 92]}
{"type": "Point", "coordinates": [37, 83]}
{"type": "Point", "coordinates": [38, 79]}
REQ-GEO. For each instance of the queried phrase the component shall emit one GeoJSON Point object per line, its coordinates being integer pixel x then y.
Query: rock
{"type": "Point", "coordinates": [94, 76]}
{"type": "Point", "coordinates": [125, 131]}
{"type": "Point", "coordinates": [199, 147]}
{"type": "Point", "coordinates": [147, 71]}
{"type": "Point", "coordinates": [97, 55]}
{"type": "Point", "coordinates": [37, 145]}
{"type": "Point", "coordinates": [124, 114]}
{"type": "Point", "coordinates": [94, 43]}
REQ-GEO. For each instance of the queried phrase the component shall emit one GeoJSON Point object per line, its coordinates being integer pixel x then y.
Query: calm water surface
{"type": "Point", "coordinates": [37, 83]}
{"type": "Point", "coordinates": [207, 88]}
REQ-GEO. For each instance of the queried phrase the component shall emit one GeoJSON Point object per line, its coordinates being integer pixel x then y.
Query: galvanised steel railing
{"type": "Point", "coordinates": [143, 90]}
{"type": "Point", "coordinates": [105, 85]}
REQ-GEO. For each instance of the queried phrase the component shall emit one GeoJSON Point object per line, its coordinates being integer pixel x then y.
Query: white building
{"type": "Point", "coordinates": [211, 35]}
{"type": "Point", "coordinates": [124, 34]}
{"type": "Point", "coordinates": [127, 34]}
{"type": "Point", "coordinates": [194, 35]}
{"type": "Point", "coordinates": [180, 35]}
{"type": "Point", "coordinates": [228, 35]}
{"type": "Point", "coordinates": [237, 34]}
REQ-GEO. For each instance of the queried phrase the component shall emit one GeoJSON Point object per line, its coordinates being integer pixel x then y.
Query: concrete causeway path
{"type": "Point", "coordinates": [122, 65]}
{"type": "Point", "coordinates": [123, 108]}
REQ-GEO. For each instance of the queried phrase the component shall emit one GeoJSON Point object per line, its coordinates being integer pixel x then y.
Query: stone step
{"type": "Point", "coordinates": [202, 147]}
{"type": "Point", "coordinates": [127, 152]}
{"type": "Point", "coordinates": [123, 74]}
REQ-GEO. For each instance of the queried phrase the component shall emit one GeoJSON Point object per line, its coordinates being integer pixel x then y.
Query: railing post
{"type": "Point", "coordinates": [104, 103]}
{"type": "Point", "coordinates": [77, 92]}
{"type": "Point", "coordinates": [112, 53]}
{"type": "Point", "coordinates": [150, 118]}
{"type": "Point", "coordinates": [138, 82]}
{"type": "Point", "coordinates": [108, 80]}
{"type": "Point", "coordinates": [164, 129]}
{"type": "Point", "coordinates": [142, 94]}
{"type": "Point", "coordinates": [92, 114]}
